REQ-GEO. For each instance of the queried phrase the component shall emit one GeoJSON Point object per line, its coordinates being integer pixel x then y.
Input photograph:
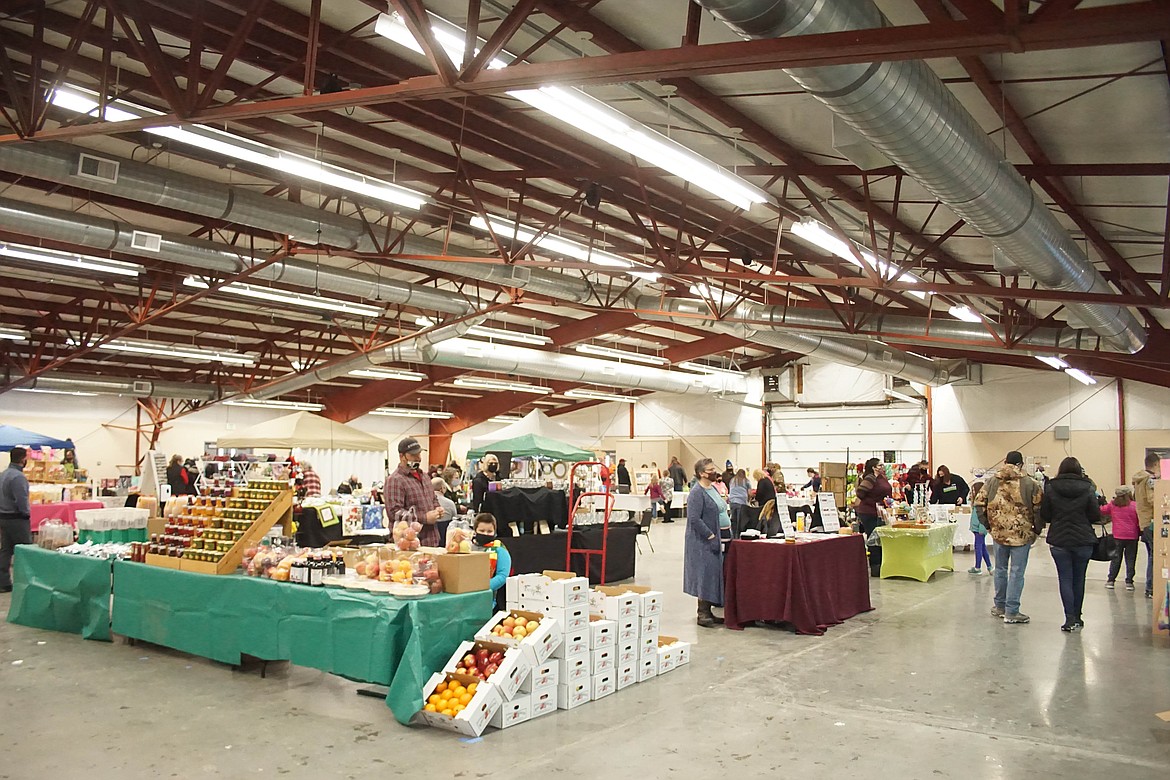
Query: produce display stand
{"type": "Point", "coordinates": [587, 553]}
{"type": "Point", "coordinates": [58, 592]}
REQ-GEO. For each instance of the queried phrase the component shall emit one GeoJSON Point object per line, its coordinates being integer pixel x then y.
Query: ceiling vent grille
{"type": "Point", "coordinates": [142, 388]}
{"type": "Point", "coordinates": [97, 168]}
{"type": "Point", "coordinates": [149, 242]}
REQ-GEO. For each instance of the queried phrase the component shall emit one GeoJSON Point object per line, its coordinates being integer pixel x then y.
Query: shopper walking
{"type": "Point", "coordinates": [667, 486]}
{"type": "Point", "coordinates": [15, 514]}
{"type": "Point", "coordinates": [624, 483]}
{"type": "Point", "coordinates": [948, 488]}
{"type": "Point", "coordinates": [1122, 510]}
{"type": "Point", "coordinates": [654, 490]}
{"type": "Point", "coordinates": [407, 488]}
{"type": "Point", "coordinates": [707, 521]}
{"type": "Point", "coordinates": [979, 531]}
{"type": "Point", "coordinates": [1070, 509]}
{"type": "Point", "coordinates": [1143, 489]}
{"type": "Point", "coordinates": [1007, 506]}
{"type": "Point", "coordinates": [872, 490]}
{"type": "Point", "coordinates": [178, 478]}
{"type": "Point", "coordinates": [677, 473]}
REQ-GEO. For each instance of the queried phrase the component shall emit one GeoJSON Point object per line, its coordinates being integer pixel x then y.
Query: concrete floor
{"type": "Point", "coordinates": [926, 686]}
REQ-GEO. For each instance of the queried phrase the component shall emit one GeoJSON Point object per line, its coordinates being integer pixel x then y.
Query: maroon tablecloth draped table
{"type": "Point", "coordinates": [812, 585]}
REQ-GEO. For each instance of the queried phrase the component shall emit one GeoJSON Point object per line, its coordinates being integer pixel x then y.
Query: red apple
{"type": "Point", "coordinates": [496, 657]}
{"type": "Point", "coordinates": [469, 661]}
{"type": "Point", "coordinates": [481, 656]}
{"type": "Point", "coordinates": [490, 670]}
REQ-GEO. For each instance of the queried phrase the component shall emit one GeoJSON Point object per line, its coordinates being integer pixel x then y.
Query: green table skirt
{"type": "Point", "coordinates": [917, 553]}
{"type": "Point", "coordinates": [368, 638]}
{"type": "Point", "coordinates": [61, 592]}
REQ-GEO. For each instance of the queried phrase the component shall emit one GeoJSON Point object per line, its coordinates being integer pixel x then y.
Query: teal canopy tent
{"type": "Point", "coordinates": [536, 436]}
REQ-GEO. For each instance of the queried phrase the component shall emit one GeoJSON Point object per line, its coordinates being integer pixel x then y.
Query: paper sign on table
{"type": "Point", "coordinates": [785, 517]}
{"type": "Point", "coordinates": [829, 517]}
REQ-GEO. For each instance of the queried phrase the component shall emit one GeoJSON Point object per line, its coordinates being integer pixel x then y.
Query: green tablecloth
{"type": "Point", "coordinates": [60, 592]}
{"type": "Point", "coordinates": [917, 552]}
{"type": "Point", "coordinates": [376, 639]}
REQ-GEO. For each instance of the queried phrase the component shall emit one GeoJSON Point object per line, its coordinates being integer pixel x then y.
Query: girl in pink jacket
{"type": "Point", "coordinates": [1126, 530]}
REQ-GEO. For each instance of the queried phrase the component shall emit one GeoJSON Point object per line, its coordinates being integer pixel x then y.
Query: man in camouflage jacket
{"type": "Point", "coordinates": [1007, 506]}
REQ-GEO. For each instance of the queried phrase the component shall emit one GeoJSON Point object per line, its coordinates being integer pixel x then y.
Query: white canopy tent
{"type": "Point", "coordinates": [335, 449]}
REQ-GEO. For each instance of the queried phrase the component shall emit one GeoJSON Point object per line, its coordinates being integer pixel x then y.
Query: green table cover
{"type": "Point", "coordinates": [362, 636]}
{"type": "Point", "coordinates": [917, 552]}
{"type": "Point", "coordinates": [60, 592]}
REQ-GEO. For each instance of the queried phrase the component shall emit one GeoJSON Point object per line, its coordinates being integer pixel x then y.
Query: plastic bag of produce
{"type": "Point", "coordinates": [406, 530]}
{"type": "Point", "coordinates": [459, 535]}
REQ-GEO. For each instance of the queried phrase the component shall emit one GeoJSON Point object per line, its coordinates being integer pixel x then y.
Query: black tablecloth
{"type": "Point", "coordinates": [309, 530]}
{"type": "Point", "coordinates": [534, 553]}
{"type": "Point", "coordinates": [811, 585]}
{"type": "Point", "coordinates": [527, 507]}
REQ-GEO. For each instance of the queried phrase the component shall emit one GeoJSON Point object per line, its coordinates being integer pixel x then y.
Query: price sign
{"type": "Point", "coordinates": [785, 517]}
{"type": "Point", "coordinates": [829, 517]}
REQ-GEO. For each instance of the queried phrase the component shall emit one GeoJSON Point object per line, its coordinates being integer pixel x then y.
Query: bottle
{"type": "Point", "coordinates": [316, 570]}
{"type": "Point", "coordinates": [340, 565]}
{"type": "Point", "coordinates": [297, 572]}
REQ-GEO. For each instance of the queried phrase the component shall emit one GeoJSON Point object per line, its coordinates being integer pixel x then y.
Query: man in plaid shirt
{"type": "Point", "coordinates": [310, 480]}
{"type": "Point", "coordinates": [408, 488]}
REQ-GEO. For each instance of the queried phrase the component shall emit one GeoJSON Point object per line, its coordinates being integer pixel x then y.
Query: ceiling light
{"type": "Point", "coordinates": [597, 395]}
{"type": "Point", "coordinates": [818, 235]}
{"type": "Point", "coordinates": [508, 230]}
{"type": "Point", "coordinates": [448, 393]}
{"type": "Point", "coordinates": [500, 334]}
{"type": "Point", "coordinates": [505, 419]}
{"type": "Point", "coordinates": [175, 351]}
{"type": "Point", "coordinates": [707, 368]}
{"type": "Point", "coordinates": [212, 140]}
{"type": "Point", "coordinates": [1055, 362]}
{"type": "Point", "coordinates": [1080, 376]}
{"type": "Point", "coordinates": [389, 373]}
{"type": "Point", "coordinates": [289, 298]}
{"type": "Point", "coordinates": [295, 406]}
{"type": "Point", "coordinates": [500, 384]}
{"type": "Point", "coordinates": [70, 260]}
{"type": "Point", "coordinates": [965, 314]}
{"type": "Point", "coordinates": [621, 354]}
{"type": "Point", "coordinates": [649, 276]}
{"type": "Point", "coordinates": [13, 334]}
{"type": "Point", "coordinates": [587, 114]}
{"type": "Point", "coordinates": [422, 414]}
{"type": "Point", "coordinates": [52, 392]}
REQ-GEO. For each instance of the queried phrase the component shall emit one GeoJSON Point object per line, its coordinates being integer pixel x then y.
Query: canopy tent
{"type": "Point", "coordinates": [335, 449]}
{"type": "Point", "coordinates": [11, 436]}
{"type": "Point", "coordinates": [535, 436]}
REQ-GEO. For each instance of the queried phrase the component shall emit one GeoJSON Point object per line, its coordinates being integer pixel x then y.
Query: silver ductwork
{"type": "Point", "coordinates": [554, 366]}
{"type": "Point", "coordinates": [133, 388]}
{"type": "Point", "coordinates": [906, 112]}
{"type": "Point", "coordinates": [342, 366]}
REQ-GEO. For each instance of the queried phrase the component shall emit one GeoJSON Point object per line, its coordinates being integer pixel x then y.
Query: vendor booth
{"type": "Point", "coordinates": [56, 489]}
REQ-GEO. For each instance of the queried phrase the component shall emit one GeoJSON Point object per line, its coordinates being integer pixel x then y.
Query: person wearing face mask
{"type": "Point", "coordinates": [872, 490]}
{"type": "Point", "coordinates": [489, 467]}
{"type": "Point", "coordinates": [408, 488]}
{"type": "Point", "coordinates": [707, 521]}
{"type": "Point", "coordinates": [453, 477]}
{"type": "Point", "coordinates": [485, 540]}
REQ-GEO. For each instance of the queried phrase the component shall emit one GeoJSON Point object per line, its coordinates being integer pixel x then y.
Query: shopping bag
{"type": "Point", "coordinates": [1105, 548]}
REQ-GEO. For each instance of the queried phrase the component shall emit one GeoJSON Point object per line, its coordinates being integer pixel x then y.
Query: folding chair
{"type": "Point", "coordinates": [644, 530]}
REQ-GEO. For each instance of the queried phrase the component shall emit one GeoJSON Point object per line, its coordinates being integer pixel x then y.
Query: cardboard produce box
{"type": "Point", "coordinates": [571, 619]}
{"type": "Point", "coordinates": [629, 629]}
{"type": "Point", "coordinates": [542, 677]}
{"type": "Point", "coordinates": [560, 589]}
{"type": "Point", "coordinates": [475, 718]}
{"type": "Point", "coordinates": [575, 644]}
{"type": "Point", "coordinates": [649, 601]}
{"type": "Point", "coordinates": [603, 685]}
{"type": "Point", "coordinates": [603, 660]}
{"type": "Point", "coordinates": [602, 632]}
{"type": "Point", "coordinates": [574, 694]}
{"type": "Point", "coordinates": [540, 644]}
{"type": "Point", "coordinates": [465, 572]}
{"type": "Point", "coordinates": [629, 653]}
{"type": "Point", "coordinates": [627, 675]}
{"type": "Point", "coordinates": [648, 667]}
{"type": "Point", "coordinates": [574, 669]}
{"type": "Point", "coordinates": [681, 649]}
{"type": "Point", "coordinates": [512, 712]}
{"type": "Point", "coordinates": [648, 625]}
{"type": "Point", "coordinates": [512, 668]}
{"type": "Point", "coordinates": [614, 602]}
{"type": "Point", "coordinates": [647, 645]}
{"type": "Point", "coordinates": [667, 659]}
{"type": "Point", "coordinates": [543, 702]}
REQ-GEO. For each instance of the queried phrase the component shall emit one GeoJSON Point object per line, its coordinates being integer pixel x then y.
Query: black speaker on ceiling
{"type": "Point", "coordinates": [593, 195]}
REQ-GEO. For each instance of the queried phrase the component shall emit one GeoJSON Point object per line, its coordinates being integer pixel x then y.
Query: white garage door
{"type": "Point", "coordinates": [799, 438]}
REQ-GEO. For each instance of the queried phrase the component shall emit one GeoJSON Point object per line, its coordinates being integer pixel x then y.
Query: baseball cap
{"type": "Point", "coordinates": [1014, 458]}
{"type": "Point", "coordinates": [409, 446]}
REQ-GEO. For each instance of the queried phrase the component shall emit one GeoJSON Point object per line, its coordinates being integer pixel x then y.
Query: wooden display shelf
{"type": "Point", "coordinates": [278, 511]}
{"type": "Point", "coordinates": [162, 561]}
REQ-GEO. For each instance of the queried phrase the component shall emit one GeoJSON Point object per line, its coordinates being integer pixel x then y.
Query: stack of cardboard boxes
{"type": "Point", "coordinates": [589, 644]}
{"type": "Point", "coordinates": [833, 480]}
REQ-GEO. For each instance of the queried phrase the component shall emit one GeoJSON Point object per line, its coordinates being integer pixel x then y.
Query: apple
{"type": "Point", "coordinates": [519, 633]}
{"type": "Point", "coordinates": [481, 655]}
{"type": "Point", "coordinates": [521, 621]}
{"type": "Point", "coordinates": [490, 670]}
{"type": "Point", "coordinates": [495, 658]}
{"type": "Point", "coordinates": [509, 622]}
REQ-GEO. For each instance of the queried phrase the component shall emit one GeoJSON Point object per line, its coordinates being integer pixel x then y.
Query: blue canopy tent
{"type": "Point", "coordinates": [11, 436]}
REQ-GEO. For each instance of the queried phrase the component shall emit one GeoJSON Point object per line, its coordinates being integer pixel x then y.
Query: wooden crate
{"type": "Point", "coordinates": [835, 470]}
{"type": "Point", "coordinates": [279, 510]}
{"type": "Point", "coordinates": [163, 561]}
{"type": "Point", "coordinates": [833, 485]}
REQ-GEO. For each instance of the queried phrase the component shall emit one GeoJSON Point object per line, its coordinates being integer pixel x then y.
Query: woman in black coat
{"type": "Point", "coordinates": [1070, 510]}
{"type": "Point", "coordinates": [948, 488]}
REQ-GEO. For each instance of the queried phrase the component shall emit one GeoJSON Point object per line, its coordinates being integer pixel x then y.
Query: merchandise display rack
{"type": "Point", "coordinates": [588, 553]}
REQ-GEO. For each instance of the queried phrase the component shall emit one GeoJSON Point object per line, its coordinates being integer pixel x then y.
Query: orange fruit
{"type": "Point", "coordinates": [460, 708]}
{"type": "Point", "coordinates": [434, 698]}
{"type": "Point", "coordinates": [471, 688]}
{"type": "Point", "coordinates": [448, 713]}
{"type": "Point", "coordinates": [431, 708]}
{"type": "Point", "coordinates": [445, 695]}
{"type": "Point", "coordinates": [458, 691]}
{"type": "Point", "coordinates": [465, 699]}
{"type": "Point", "coordinates": [440, 687]}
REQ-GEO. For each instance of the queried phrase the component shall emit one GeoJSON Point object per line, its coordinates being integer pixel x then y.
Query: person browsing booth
{"type": "Point", "coordinates": [408, 488]}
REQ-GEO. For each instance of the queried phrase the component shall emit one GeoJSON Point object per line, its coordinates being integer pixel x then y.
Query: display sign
{"type": "Point", "coordinates": [154, 474]}
{"type": "Point", "coordinates": [829, 517]}
{"type": "Point", "coordinates": [785, 517]}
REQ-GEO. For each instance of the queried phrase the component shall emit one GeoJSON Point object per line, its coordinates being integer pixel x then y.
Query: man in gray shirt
{"type": "Point", "coordinates": [14, 514]}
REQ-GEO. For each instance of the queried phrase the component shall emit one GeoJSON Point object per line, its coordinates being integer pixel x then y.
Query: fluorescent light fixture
{"type": "Point", "coordinates": [505, 419]}
{"type": "Point", "coordinates": [597, 395]}
{"type": "Point", "coordinates": [1080, 376]}
{"type": "Point", "coordinates": [389, 373]}
{"type": "Point", "coordinates": [295, 406]}
{"type": "Point", "coordinates": [480, 383]}
{"type": "Point", "coordinates": [649, 276]}
{"type": "Point", "coordinates": [965, 314]}
{"type": "Point", "coordinates": [70, 260]}
{"type": "Point", "coordinates": [621, 354]}
{"type": "Point", "coordinates": [707, 368]}
{"type": "Point", "coordinates": [818, 235]}
{"type": "Point", "coordinates": [1053, 361]}
{"type": "Point", "coordinates": [290, 298]}
{"type": "Point", "coordinates": [52, 392]}
{"type": "Point", "coordinates": [177, 351]}
{"type": "Point", "coordinates": [239, 148]}
{"type": "Point", "coordinates": [445, 393]}
{"type": "Point", "coordinates": [500, 334]}
{"type": "Point", "coordinates": [421, 414]}
{"type": "Point", "coordinates": [508, 230]}
{"type": "Point", "coordinates": [582, 112]}
{"type": "Point", "coordinates": [13, 334]}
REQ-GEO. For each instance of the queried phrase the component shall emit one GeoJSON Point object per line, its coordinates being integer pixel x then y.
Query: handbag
{"type": "Point", "coordinates": [1105, 548]}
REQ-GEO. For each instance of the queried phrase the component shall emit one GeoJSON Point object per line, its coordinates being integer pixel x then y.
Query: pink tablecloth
{"type": "Point", "coordinates": [61, 510]}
